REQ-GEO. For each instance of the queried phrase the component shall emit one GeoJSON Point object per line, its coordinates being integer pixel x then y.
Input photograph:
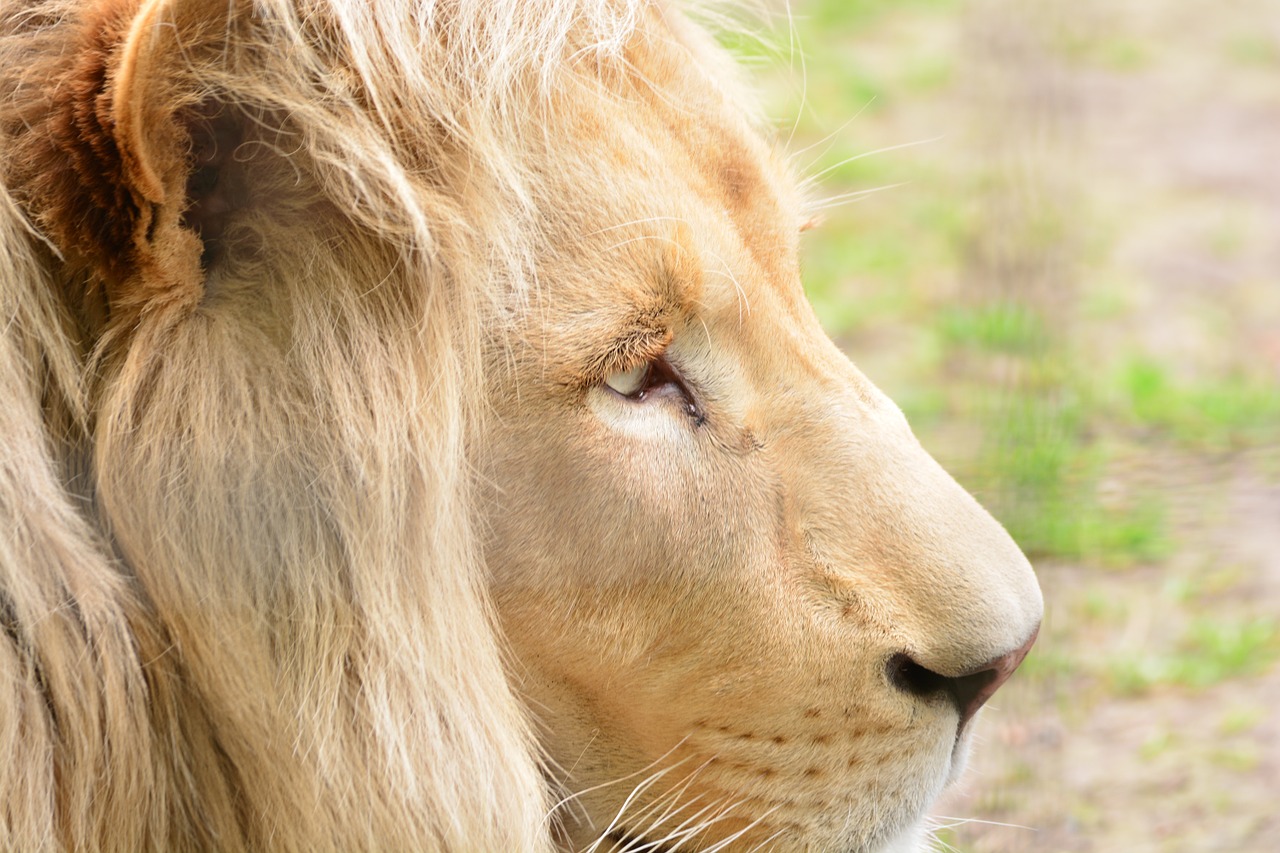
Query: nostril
{"type": "Point", "coordinates": [910, 677]}
{"type": "Point", "coordinates": [969, 691]}
{"type": "Point", "coordinates": [966, 692]}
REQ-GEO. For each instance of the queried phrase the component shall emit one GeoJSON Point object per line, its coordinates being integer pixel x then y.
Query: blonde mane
{"type": "Point", "coordinates": [240, 590]}
{"type": "Point", "coordinates": [416, 437]}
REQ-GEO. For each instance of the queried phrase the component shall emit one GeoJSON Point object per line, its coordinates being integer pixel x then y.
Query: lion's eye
{"type": "Point", "coordinates": [655, 379]}
{"type": "Point", "coordinates": [629, 383]}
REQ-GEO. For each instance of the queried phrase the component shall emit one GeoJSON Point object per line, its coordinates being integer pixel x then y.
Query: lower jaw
{"type": "Point", "coordinates": [911, 840]}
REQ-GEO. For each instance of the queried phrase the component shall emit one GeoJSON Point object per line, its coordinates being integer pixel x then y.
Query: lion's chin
{"type": "Point", "coordinates": [912, 840]}
{"type": "Point", "coordinates": [915, 838]}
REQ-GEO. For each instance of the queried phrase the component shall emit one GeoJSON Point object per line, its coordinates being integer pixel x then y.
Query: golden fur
{"type": "Point", "coordinates": [315, 316]}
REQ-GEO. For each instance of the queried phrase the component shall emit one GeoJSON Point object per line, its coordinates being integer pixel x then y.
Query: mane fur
{"type": "Point", "coordinates": [241, 597]}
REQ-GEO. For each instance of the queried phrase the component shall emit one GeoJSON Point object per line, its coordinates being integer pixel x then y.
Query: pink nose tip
{"type": "Point", "coordinates": [968, 691]}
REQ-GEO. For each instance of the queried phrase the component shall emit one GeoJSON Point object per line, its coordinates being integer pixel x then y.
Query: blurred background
{"type": "Point", "coordinates": [1053, 237]}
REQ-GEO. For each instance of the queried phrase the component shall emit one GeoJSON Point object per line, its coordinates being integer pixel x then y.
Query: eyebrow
{"type": "Point", "coordinates": [640, 337]}
{"type": "Point", "coordinates": [640, 321]}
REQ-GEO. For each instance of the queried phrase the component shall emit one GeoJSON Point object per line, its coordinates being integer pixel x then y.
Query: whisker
{"type": "Point", "coordinates": [829, 138]}
{"type": "Point", "coordinates": [743, 301]}
{"type": "Point", "coordinates": [846, 198]}
{"type": "Point", "coordinates": [725, 842]}
{"type": "Point", "coordinates": [631, 797]}
{"type": "Point", "coordinates": [960, 821]}
{"type": "Point", "coordinates": [692, 825]}
{"type": "Point", "coordinates": [640, 221]}
{"type": "Point", "coordinates": [640, 239]}
{"type": "Point", "coordinates": [793, 43]}
{"type": "Point", "coordinates": [673, 795]}
{"type": "Point", "coordinates": [674, 838]}
{"type": "Point", "coordinates": [578, 794]}
{"type": "Point", "coordinates": [809, 179]}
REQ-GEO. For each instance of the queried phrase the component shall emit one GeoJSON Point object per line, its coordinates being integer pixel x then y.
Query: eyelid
{"type": "Point", "coordinates": [632, 349]}
{"type": "Point", "coordinates": [629, 382]}
{"type": "Point", "coordinates": [670, 375]}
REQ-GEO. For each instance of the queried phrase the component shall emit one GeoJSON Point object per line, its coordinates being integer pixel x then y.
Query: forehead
{"type": "Point", "coordinates": [661, 168]}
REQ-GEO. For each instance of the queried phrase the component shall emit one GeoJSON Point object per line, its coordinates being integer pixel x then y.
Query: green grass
{"type": "Point", "coordinates": [999, 326]}
{"type": "Point", "coordinates": [1253, 49]}
{"type": "Point", "coordinates": [1241, 759]}
{"type": "Point", "coordinates": [1046, 664]}
{"type": "Point", "coordinates": [1078, 528]}
{"type": "Point", "coordinates": [1000, 296]}
{"type": "Point", "coordinates": [1157, 745]}
{"type": "Point", "coordinates": [1100, 606]}
{"type": "Point", "coordinates": [886, 255]}
{"type": "Point", "coordinates": [873, 260]}
{"type": "Point", "coordinates": [998, 358]}
{"type": "Point", "coordinates": [1219, 414]}
{"type": "Point", "coordinates": [1240, 719]}
{"type": "Point", "coordinates": [1115, 52]}
{"type": "Point", "coordinates": [1211, 651]}
{"type": "Point", "coordinates": [858, 15]}
{"type": "Point", "coordinates": [1122, 54]}
{"type": "Point", "coordinates": [1206, 582]}
{"type": "Point", "coordinates": [947, 840]}
{"type": "Point", "coordinates": [1043, 472]}
{"type": "Point", "coordinates": [1044, 456]}
{"type": "Point", "coordinates": [928, 74]}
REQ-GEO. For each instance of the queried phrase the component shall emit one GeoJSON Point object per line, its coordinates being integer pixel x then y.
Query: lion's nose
{"type": "Point", "coordinates": [969, 690]}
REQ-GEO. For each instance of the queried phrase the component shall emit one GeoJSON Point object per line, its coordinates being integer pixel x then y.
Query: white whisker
{"type": "Point", "coordinates": [809, 179]}
{"type": "Point", "coordinates": [849, 197]}
{"type": "Point", "coordinates": [793, 43]}
{"type": "Point", "coordinates": [640, 221]}
{"type": "Point", "coordinates": [960, 821]}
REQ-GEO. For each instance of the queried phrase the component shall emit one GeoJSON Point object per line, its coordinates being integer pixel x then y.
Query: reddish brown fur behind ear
{"type": "Point", "coordinates": [73, 172]}
{"type": "Point", "coordinates": [105, 167]}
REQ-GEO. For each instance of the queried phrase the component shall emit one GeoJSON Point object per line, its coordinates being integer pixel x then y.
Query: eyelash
{"type": "Point", "coordinates": [658, 374]}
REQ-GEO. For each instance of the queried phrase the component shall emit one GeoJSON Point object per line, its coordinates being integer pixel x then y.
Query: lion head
{"type": "Point", "coordinates": [416, 437]}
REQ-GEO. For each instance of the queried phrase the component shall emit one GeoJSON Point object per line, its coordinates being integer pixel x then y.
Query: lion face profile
{"type": "Point", "coordinates": [416, 437]}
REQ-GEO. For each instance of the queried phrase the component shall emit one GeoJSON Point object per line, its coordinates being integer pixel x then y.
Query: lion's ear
{"type": "Point", "coordinates": [141, 116]}
{"type": "Point", "coordinates": [158, 131]}
{"type": "Point", "coordinates": [109, 179]}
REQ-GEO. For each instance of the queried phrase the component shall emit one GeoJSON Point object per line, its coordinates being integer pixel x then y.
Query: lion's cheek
{"type": "Point", "coordinates": [612, 503]}
{"type": "Point", "coordinates": [664, 629]}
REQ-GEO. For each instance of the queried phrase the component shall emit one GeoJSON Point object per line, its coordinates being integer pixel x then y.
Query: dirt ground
{"type": "Point", "coordinates": [1067, 765]}
{"type": "Point", "coordinates": [1070, 766]}
{"type": "Point", "coordinates": [1148, 134]}
{"type": "Point", "coordinates": [1180, 155]}
{"type": "Point", "coordinates": [1173, 151]}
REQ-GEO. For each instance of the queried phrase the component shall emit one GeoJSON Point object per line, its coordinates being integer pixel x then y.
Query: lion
{"type": "Point", "coordinates": [416, 438]}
